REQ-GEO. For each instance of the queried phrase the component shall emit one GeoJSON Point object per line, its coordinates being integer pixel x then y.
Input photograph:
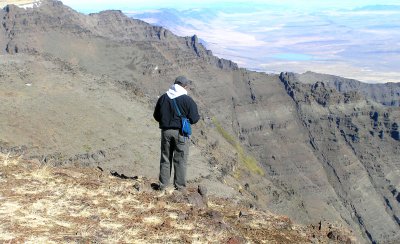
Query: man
{"type": "Point", "coordinates": [174, 145]}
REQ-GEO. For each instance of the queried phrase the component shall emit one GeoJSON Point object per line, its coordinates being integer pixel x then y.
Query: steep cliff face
{"type": "Point", "coordinates": [80, 89]}
{"type": "Point", "coordinates": [365, 172]}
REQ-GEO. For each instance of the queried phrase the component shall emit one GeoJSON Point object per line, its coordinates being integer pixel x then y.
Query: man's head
{"type": "Point", "coordinates": [182, 81]}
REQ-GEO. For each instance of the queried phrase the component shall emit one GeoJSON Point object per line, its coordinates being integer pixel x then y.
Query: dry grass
{"type": "Point", "coordinates": [246, 160]}
{"type": "Point", "coordinates": [41, 204]}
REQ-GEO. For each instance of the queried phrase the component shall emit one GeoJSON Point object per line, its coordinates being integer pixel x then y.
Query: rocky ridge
{"type": "Point", "coordinates": [387, 94]}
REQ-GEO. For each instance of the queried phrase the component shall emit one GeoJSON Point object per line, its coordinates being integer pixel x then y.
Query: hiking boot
{"type": "Point", "coordinates": [157, 187]}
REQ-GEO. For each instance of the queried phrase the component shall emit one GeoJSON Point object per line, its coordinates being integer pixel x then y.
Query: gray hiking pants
{"type": "Point", "coordinates": [174, 151]}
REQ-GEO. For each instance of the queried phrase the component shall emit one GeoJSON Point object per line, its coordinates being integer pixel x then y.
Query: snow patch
{"type": "Point", "coordinates": [30, 5]}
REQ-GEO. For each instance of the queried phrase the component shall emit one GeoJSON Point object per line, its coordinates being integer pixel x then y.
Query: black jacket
{"type": "Point", "coordinates": [166, 115]}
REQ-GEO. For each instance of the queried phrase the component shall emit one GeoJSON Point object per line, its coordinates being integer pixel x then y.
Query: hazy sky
{"type": "Point", "coordinates": [127, 5]}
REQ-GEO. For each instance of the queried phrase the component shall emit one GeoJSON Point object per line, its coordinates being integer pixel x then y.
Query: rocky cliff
{"type": "Point", "coordinates": [364, 174]}
{"type": "Point", "coordinates": [80, 89]}
{"type": "Point", "coordinates": [387, 94]}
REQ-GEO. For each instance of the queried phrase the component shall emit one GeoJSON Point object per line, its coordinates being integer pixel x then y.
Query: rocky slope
{"type": "Point", "coordinates": [80, 89]}
{"type": "Point", "coordinates": [43, 204]}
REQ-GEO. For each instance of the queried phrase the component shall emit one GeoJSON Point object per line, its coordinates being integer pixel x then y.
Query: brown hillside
{"type": "Point", "coordinates": [44, 204]}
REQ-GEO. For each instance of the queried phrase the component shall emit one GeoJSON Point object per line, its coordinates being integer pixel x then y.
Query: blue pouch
{"type": "Point", "coordinates": [186, 130]}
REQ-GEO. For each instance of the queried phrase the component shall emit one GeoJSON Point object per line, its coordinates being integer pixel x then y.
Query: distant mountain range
{"type": "Point", "coordinates": [380, 8]}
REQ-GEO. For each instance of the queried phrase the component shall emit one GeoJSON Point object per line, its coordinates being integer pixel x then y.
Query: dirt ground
{"type": "Point", "coordinates": [44, 204]}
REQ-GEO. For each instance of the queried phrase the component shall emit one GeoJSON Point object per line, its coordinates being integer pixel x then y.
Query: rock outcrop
{"type": "Point", "coordinates": [387, 94]}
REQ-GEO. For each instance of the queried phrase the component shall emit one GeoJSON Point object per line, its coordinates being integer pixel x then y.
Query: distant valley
{"type": "Point", "coordinates": [359, 43]}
